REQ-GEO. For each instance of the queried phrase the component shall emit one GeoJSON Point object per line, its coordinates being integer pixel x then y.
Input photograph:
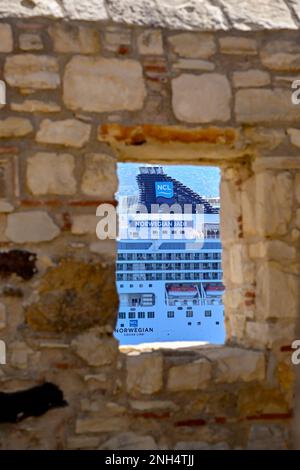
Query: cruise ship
{"type": "Point", "coordinates": [169, 275]}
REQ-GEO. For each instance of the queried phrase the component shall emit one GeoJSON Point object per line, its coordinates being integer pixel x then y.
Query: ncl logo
{"type": "Point", "coordinates": [164, 189]}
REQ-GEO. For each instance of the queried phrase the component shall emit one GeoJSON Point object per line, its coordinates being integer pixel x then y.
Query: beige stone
{"type": "Point", "coordinates": [101, 84]}
{"type": "Point", "coordinates": [6, 38]}
{"type": "Point", "coordinates": [150, 42]}
{"type": "Point", "coordinates": [2, 316]}
{"type": "Point", "coordinates": [69, 132]}
{"type": "Point", "coordinates": [94, 350]}
{"type": "Point", "coordinates": [144, 373]}
{"type": "Point", "coordinates": [237, 45]}
{"type": "Point", "coordinates": [32, 71]}
{"type": "Point", "coordinates": [262, 334]}
{"type": "Point", "coordinates": [82, 442]}
{"type": "Point", "coordinates": [241, 269]}
{"type": "Point", "coordinates": [114, 38]}
{"type": "Point", "coordinates": [31, 227]}
{"type": "Point", "coordinates": [129, 441]}
{"type": "Point", "coordinates": [294, 136]}
{"type": "Point", "coordinates": [250, 78]}
{"type": "Point", "coordinates": [153, 405]}
{"type": "Point", "coordinates": [36, 106]}
{"type": "Point", "coordinates": [30, 42]}
{"type": "Point", "coordinates": [248, 206]}
{"type": "Point", "coordinates": [100, 423]}
{"type": "Point", "coordinates": [99, 177]}
{"type": "Point", "coordinates": [193, 45]}
{"type": "Point", "coordinates": [191, 376]}
{"type": "Point", "coordinates": [201, 98]}
{"type": "Point", "coordinates": [84, 224]}
{"type": "Point", "coordinates": [273, 213]}
{"type": "Point", "coordinates": [20, 354]}
{"type": "Point", "coordinates": [297, 220]}
{"type": "Point", "coordinates": [264, 105]}
{"type": "Point", "coordinates": [51, 173]}
{"type": "Point", "coordinates": [276, 293]}
{"type": "Point", "coordinates": [72, 38]}
{"type": "Point", "coordinates": [297, 187]}
{"type": "Point", "coordinates": [14, 127]}
{"type": "Point", "coordinates": [265, 138]}
{"type": "Point", "coordinates": [281, 55]}
{"type": "Point", "coordinates": [6, 207]}
{"type": "Point", "coordinates": [230, 211]}
{"type": "Point", "coordinates": [267, 437]}
{"type": "Point", "coordinates": [236, 364]}
{"type": "Point", "coordinates": [193, 64]}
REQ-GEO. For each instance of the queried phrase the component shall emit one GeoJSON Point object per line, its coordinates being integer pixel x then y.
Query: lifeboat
{"type": "Point", "coordinates": [182, 291]}
{"type": "Point", "coordinates": [215, 289]}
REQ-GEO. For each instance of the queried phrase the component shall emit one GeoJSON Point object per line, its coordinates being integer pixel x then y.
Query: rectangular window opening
{"type": "Point", "coordinates": [168, 269]}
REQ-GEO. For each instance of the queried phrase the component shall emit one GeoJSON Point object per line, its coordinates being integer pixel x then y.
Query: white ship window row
{"type": "Point", "coordinates": [168, 256]}
{"type": "Point", "coordinates": [169, 276]}
{"type": "Point", "coordinates": [168, 266]}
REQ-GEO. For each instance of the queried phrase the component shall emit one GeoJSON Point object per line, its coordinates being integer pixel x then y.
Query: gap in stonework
{"type": "Point", "coordinates": [168, 270]}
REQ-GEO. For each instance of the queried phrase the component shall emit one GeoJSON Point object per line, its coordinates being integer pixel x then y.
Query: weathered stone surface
{"type": "Point", "coordinates": [101, 423]}
{"type": "Point", "coordinates": [2, 316]}
{"type": "Point", "coordinates": [264, 137]}
{"type": "Point", "coordinates": [6, 207]}
{"type": "Point", "coordinates": [117, 38]}
{"type": "Point", "coordinates": [262, 334]}
{"type": "Point", "coordinates": [99, 177]}
{"type": "Point", "coordinates": [82, 442]}
{"type": "Point", "coordinates": [51, 173]}
{"type": "Point", "coordinates": [144, 373]}
{"type": "Point", "coordinates": [193, 45]}
{"type": "Point", "coordinates": [274, 250]}
{"type": "Point", "coordinates": [201, 98]}
{"type": "Point", "coordinates": [72, 38]}
{"type": "Point", "coordinates": [263, 105]}
{"type": "Point", "coordinates": [191, 376]}
{"type": "Point", "coordinates": [30, 42]}
{"type": "Point", "coordinates": [74, 296]}
{"type": "Point", "coordinates": [84, 224]}
{"type": "Point", "coordinates": [85, 9]}
{"type": "Point", "coordinates": [297, 187]}
{"type": "Point", "coordinates": [6, 38]}
{"type": "Point", "coordinates": [236, 364]}
{"type": "Point", "coordinates": [194, 445]}
{"type": "Point", "coordinates": [94, 350]}
{"type": "Point", "coordinates": [238, 45]}
{"type": "Point", "coordinates": [267, 437]}
{"type": "Point", "coordinates": [294, 136]}
{"type": "Point", "coordinates": [251, 78]}
{"type": "Point", "coordinates": [281, 55]}
{"type": "Point", "coordinates": [249, 16]}
{"type": "Point", "coordinates": [175, 15]}
{"type": "Point", "coordinates": [14, 127]}
{"type": "Point", "coordinates": [153, 405]}
{"type": "Point", "coordinates": [273, 213]}
{"type": "Point", "coordinates": [101, 85]}
{"type": "Point", "coordinates": [32, 71]}
{"type": "Point", "coordinates": [69, 132]}
{"type": "Point", "coordinates": [33, 106]}
{"type": "Point", "coordinates": [129, 441]}
{"type": "Point", "coordinates": [150, 42]}
{"type": "Point", "coordinates": [31, 226]}
{"type": "Point", "coordinates": [277, 293]}
{"type": "Point", "coordinates": [193, 64]}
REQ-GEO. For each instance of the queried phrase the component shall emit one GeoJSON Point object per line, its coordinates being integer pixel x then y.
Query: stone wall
{"type": "Point", "coordinates": [80, 96]}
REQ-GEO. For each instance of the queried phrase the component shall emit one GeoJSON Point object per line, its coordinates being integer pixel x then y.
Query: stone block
{"type": "Point", "coordinates": [31, 227]}
{"type": "Point", "coordinates": [193, 45]}
{"type": "Point", "coordinates": [191, 376]}
{"type": "Point", "coordinates": [99, 178]}
{"type": "Point", "coordinates": [103, 85]}
{"type": "Point", "coordinates": [201, 98]}
{"type": "Point", "coordinates": [31, 71]}
{"type": "Point", "coordinates": [6, 38]}
{"type": "Point", "coordinates": [95, 350]}
{"type": "Point", "coordinates": [144, 373]}
{"type": "Point", "coordinates": [51, 173]}
{"type": "Point", "coordinates": [69, 132]}
{"type": "Point", "coordinates": [281, 55]}
{"type": "Point", "coordinates": [150, 42]}
{"type": "Point", "coordinates": [71, 38]}
{"type": "Point", "coordinates": [30, 42]}
{"type": "Point", "coordinates": [14, 127]}
{"type": "Point", "coordinates": [237, 45]}
{"type": "Point", "coordinates": [251, 78]}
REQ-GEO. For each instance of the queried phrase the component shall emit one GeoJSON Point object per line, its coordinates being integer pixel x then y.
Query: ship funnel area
{"type": "Point", "coordinates": [169, 275]}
